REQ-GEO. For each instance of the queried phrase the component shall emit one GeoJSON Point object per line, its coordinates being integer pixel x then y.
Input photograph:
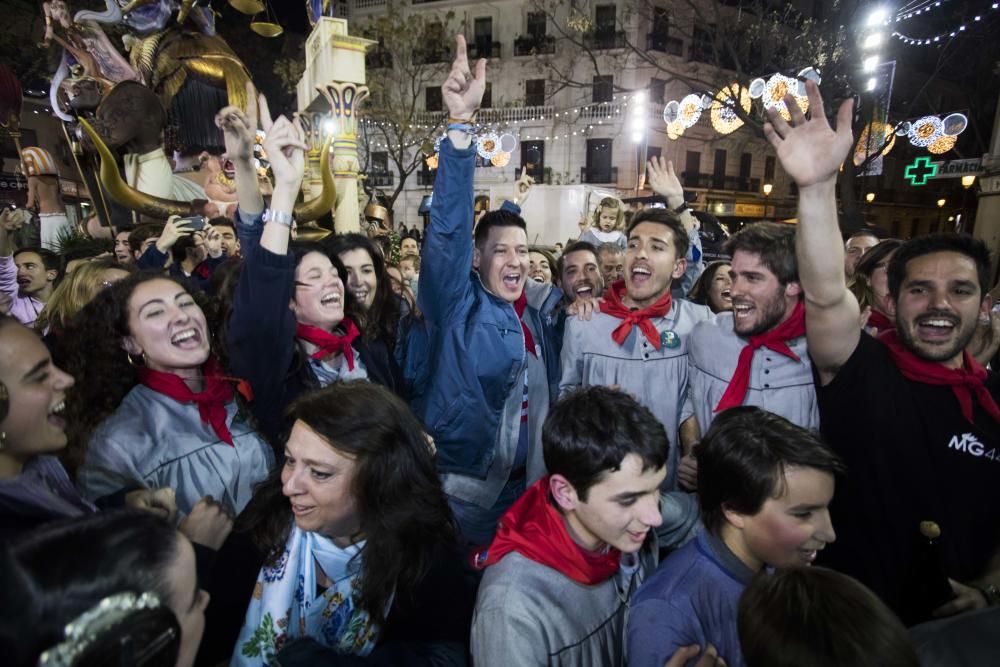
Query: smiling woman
{"type": "Point", "coordinates": [153, 407]}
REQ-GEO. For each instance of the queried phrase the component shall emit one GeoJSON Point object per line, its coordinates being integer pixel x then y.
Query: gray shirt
{"type": "Point", "coordinates": [657, 378]}
{"type": "Point", "coordinates": [778, 384]}
{"type": "Point", "coordinates": [151, 440]}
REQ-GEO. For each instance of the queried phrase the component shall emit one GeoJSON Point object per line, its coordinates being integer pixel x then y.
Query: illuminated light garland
{"type": "Point", "coordinates": [724, 118]}
{"type": "Point", "coordinates": [775, 90]}
{"type": "Point", "coordinates": [936, 39]}
{"type": "Point", "coordinates": [943, 144]}
{"type": "Point", "coordinates": [675, 130]}
{"type": "Point", "coordinates": [508, 142]}
{"type": "Point", "coordinates": [757, 87]}
{"type": "Point", "coordinates": [431, 161]}
{"type": "Point", "coordinates": [488, 145]}
{"type": "Point", "coordinates": [690, 110]}
{"type": "Point", "coordinates": [877, 132]}
{"type": "Point", "coordinates": [954, 124]}
{"type": "Point", "coordinates": [925, 131]}
{"type": "Point", "coordinates": [670, 111]}
{"type": "Point", "coordinates": [501, 159]}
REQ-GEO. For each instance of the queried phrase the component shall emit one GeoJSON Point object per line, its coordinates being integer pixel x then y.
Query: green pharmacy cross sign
{"type": "Point", "coordinates": [921, 169]}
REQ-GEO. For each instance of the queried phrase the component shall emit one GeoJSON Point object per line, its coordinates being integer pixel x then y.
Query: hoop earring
{"type": "Point", "coordinates": [135, 364]}
{"type": "Point", "coordinates": [3, 440]}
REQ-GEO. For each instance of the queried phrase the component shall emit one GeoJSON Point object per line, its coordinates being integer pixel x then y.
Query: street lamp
{"type": "Point", "coordinates": [870, 197]}
{"type": "Point", "coordinates": [968, 180]}
{"type": "Point", "coordinates": [767, 189]}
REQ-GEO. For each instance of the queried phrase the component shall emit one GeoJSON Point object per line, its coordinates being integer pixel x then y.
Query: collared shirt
{"type": "Point", "coordinates": [24, 309]}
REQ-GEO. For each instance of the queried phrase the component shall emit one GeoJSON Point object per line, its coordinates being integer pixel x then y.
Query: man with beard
{"type": "Point", "coordinates": [579, 275]}
{"type": "Point", "coordinates": [913, 415]}
{"type": "Point", "coordinates": [755, 354]}
{"type": "Point", "coordinates": [639, 341]}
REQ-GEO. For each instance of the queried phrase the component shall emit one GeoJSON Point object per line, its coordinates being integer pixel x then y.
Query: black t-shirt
{"type": "Point", "coordinates": [911, 457]}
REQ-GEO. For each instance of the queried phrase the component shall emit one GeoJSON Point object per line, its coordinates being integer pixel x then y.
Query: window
{"type": "Point", "coordinates": [379, 162]}
{"type": "Point", "coordinates": [598, 169]}
{"type": "Point", "coordinates": [661, 21]}
{"type": "Point", "coordinates": [653, 151]}
{"type": "Point", "coordinates": [604, 19]}
{"type": "Point", "coordinates": [432, 99]}
{"type": "Point", "coordinates": [702, 45]}
{"type": "Point", "coordinates": [769, 169]}
{"type": "Point", "coordinates": [483, 37]}
{"type": "Point", "coordinates": [657, 89]}
{"type": "Point", "coordinates": [692, 170]}
{"type": "Point", "coordinates": [746, 165]}
{"type": "Point", "coordinates": [487, 102]}
{"type": "Point", "coordinates": [534, 92]}
{"type": "Point", "coordinates": [604, 88]}
{"type": "Point", "coordinates": [533, 159]}
{"type": "Point", "coordinates": [536, 24]}
{"type": "Point", "coordinates": [719, 170]}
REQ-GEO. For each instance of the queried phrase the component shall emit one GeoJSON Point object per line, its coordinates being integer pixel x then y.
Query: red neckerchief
{"type": "Point", "coordinates": [879, 322]}
{"type": "Point", "coordinates": [614, 306]}
{"type": "Point", "coordinates": [776, 340]}
{"type": "Point", "coordinates": [519, 306]}
{"type": "Point", "coordinates": [966, 382]}
{"type": "Point", "coordinates": [211, 401]}
{"type": "Point", "coordinates": [535, 529]}
{"type": "Point", "coordinates": [329, 343]}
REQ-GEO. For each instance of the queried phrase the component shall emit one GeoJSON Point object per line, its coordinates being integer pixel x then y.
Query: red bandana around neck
{"type": "Point", "coordinates": [329, 343]}
{"type": "Point", "coordinates": [966, 382]}
{"type": "Point", "coordinates": [879, 322]}
{"type": "Point", "coordinates": [775, 340]}
{"type": "Point", "coordinates": [614, 306]}
{"type": "Point", "coordinates": [529, 340]}
{"type": "Point", "coordinates": [535, 529]}
{"type": "Point", "coordinates": [211, 401]}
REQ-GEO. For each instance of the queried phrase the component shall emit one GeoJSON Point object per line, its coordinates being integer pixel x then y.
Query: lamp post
{"type": "Point", "coordinates": [767, 189]}
{"type": "Point", "coordinates": [638, 111]}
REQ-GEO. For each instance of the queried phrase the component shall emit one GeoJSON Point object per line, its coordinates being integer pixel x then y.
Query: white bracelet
{"type": "Point", "coordinates": [279, 217]}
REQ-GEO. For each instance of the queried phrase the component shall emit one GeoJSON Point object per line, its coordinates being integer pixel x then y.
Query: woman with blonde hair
{"type": "Point", "coordinates": [75, 292]}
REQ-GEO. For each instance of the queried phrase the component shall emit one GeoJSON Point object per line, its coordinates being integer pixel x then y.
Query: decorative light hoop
{"type": "Point", "coordinates": [690, 110]}
{"type": "Point", "coordinates": [675, 130]}
{"type": "Point", "coordinates": [671, 111]}
{"type": "Point", "coordinates": [488, 145]}
{"type": "Point", "coordinates": [877, 128]}
{"type": "Point", "coordinates": [775, 90]}
{"type": "Point", "coordinates": [904, 128]}
{"type": "Point", "coordinates": [925, 131]}
{"type": "Point", "coordinates": [757, 88]}
{"type": "Point", "coordinates": [500, 159]}
{"type": "Point", "coordinates": [724, 118]}
{"type": "Point", "coordinates": [954, 124]}
{"type": "Point", "coordinates": [508, 142]}
{"type": "Point", "coordinates": [432, 161]}
{"type": "Point", "coordinates": [943, 144]}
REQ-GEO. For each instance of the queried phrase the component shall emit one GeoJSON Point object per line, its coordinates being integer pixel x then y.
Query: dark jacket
{"type": "Point", "coordinates": [464, 358]}
{"type": "Point", "coordinates": [200, 280]}
{"type": "Point", "coordinates": [262, 347]}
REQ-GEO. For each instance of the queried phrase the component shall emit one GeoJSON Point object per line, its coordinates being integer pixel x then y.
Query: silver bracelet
{"type": "Point", "coordinates": [279, 217]}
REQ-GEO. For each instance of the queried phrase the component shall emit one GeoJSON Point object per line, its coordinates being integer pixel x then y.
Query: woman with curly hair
{"type": "Point", "coordinates": [358, 543]}
{"type": "Point", "coordinates": [293, 326]}
{"type": "Point", "coordinates": [153, 405]}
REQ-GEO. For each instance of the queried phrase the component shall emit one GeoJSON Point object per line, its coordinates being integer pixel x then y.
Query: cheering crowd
{"type": "Point", "coordinates": [288, 452]}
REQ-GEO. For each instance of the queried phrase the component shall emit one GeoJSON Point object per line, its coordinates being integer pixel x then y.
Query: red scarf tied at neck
{"type": "Point", "coordinates": [329, 343]}
{"type": "Point", "coordinates": [879, 322]}
{"type": "Point", "coordinates": [529, 341]}
{"type": "Point", "coordinates": [535, 529]}
{"type": "Point", "coordinates": [966, 382]}
{"type": "Point", "coordinates": [614, 306]}
{"type": "Point", "coordinates": [211, 401]}
{"type": "Point", "coordinates": [775, 340]}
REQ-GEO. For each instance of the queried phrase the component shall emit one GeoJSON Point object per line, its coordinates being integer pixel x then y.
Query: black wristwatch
{"type": "Point", "coordinates": [683, 207]}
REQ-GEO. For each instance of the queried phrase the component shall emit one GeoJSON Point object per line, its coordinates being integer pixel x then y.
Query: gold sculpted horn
{"type": "Point", "coordinates": [315, 208]}
{"type": "Point", "coordinates": [123, 193]}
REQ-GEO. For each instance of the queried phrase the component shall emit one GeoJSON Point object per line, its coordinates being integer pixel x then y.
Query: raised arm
{"type": "Point", "coordinates": [811, 152]}
{"type": "Point", "coordinates": [238, 129]}
{"type": "Point", "coordinates": [446, 257]}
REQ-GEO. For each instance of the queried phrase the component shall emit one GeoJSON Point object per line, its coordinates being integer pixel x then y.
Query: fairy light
{"type": "Point", "coordinates": [930, 40]}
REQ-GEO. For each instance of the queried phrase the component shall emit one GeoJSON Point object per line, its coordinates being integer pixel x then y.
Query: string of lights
{"type": "Point", "coordinates": [936, 39]}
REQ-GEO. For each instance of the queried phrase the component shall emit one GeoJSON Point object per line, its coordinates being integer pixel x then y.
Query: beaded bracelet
{"type": "Point", "coordinates": [461, 127]}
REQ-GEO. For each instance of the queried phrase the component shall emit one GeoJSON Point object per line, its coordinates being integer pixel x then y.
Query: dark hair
{"type": "Point", "coordinates": [404, 515]}
{"type": "Point", "coordinates": [743, 457]}
{"type": "Point", "coordinates": [590, 431]}
{"type": "Point", "coordinates": [607, 247]}
{"type": "Point", "coordinates": [700, 290]}
{"type": "Point", "coordinates": [821, 618]}
{"type": "Point", "coordinates": [96, 360]}
{"type": "Point", "coordinates": [62, 569]}
{"type": "Point", "coordinates": [578, 246]}
{"type": "Point", "coordinates": [553, 264]}
{"type": "Point", "coordinates": [222, 221]}
{"type": "Point", "coordinates": [663, 216]}
{"type": "Point", "coordinates": [963, 244]}
{"type": "Point", "coordinates": [50, 260]}
{"type": "Point", "coordinates": [873, 232]}
{"type": "Point", "coordinates": [181, 247]}
{"type": "Point", "coordinates": [383, 315]}
{"type": "Point", "coordinates": [862, 286]}
{"type": "Point", "coordinates": [774, 243]}
{"type": "Point", "coordinates": [143, 233]}
{"type": "Point", "coordinates": [498, 218]}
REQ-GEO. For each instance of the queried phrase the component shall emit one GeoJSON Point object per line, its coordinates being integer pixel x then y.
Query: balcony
{"type": "Point", "coordinates": [533, 45]}
{"type": "Point", "coordinates": [493, 116]}
{"type": "Point", "coordinates": [664, 44]}
{"type": "Point", "coordinates": [713, 182]}
{"type": "Point", "coordinates": [426, 178]}
{"type": "Point", "coordinates": [380, 179]}
{"type": "Point", "coordinates": [538, 173]}
{"type": "Point", "coordinates": [432, 55]}
{"type": "Point", "coordinates": [484, 49]}
{"type": "Point", "coordinates": [599, 175]}
{"type": "Point", "coordinates": [605, 39]}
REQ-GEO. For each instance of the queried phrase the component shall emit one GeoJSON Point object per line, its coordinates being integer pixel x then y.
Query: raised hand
{"type": "Point", "coordinates": [462, 91]}
{"type": "Point", "coordinates": [208, 524]}
{"type": "Point", "coordinates": [239, 128]}
{"type": "Point", "coordinates": [810, 150]}
{"type": "Point", "coordinates": [522, 188]}
{"type": "Point", "coordinates": [663, 181]}
{"type": "Point", "coordinates": [175, 228]}
{"type": "Point", "coordinates": [213, 241]}
{"type": "Point", "coordinates": [285, 145]}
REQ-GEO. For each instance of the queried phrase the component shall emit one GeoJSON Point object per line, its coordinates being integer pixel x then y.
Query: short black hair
{"type": "Point", "coordinates": [498, 218]}
{"type": "Point", "coordinates": [49, 259]}
{"type": "Point", "coordinates": [663, 216]}
{"type": "Point", "coordinates": [143, 233]}
{"type": "Point", "coordinates": [743, 457]}
{"type": "Point", "coordinates": [222, 221]}
{"type": "Point", "coordinates": [821, 618]}
{"type": "Point", "coordinates": [774, 243]}
{"type": "Point", "coordinates": [877, 253]}
{"type": "Point", "coordinates": [590, 431]}
{"type": "Point", "coordinates": [577, 246]}
{"type": "Point", "coordinates": [963, 244]}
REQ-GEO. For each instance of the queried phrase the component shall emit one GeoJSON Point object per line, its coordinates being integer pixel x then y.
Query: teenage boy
{"type": "Point", "coordinates": [571, 551]}
{"type": "Point", "coordinates": [912, 413]}
{"type": "Point", "coordinates": [764, 485]}
{"type": "Point", "coordinates": [27, 276]}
